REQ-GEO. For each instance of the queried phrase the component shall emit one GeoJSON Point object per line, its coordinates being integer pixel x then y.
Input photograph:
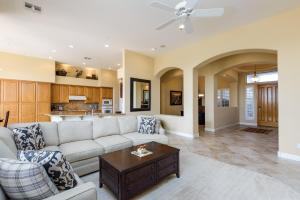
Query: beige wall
{"type": "Point", "coordinates": [140, 66]}
{"type": "Point", "coordinates": [279, 33]}
{"type": "Point", "coordinates": [20, 67]}
{"type": "Point", "coordinates": [170, 81]}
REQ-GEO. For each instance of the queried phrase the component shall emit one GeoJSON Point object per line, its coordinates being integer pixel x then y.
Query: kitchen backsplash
{"type": "Point", "coordinates": [74, 105]}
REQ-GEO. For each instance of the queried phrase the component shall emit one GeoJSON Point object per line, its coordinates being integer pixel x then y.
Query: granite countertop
{"type": "Point", "coordinates": [74, 113]}
{"type": "Point", "coordinates": [79, 113]}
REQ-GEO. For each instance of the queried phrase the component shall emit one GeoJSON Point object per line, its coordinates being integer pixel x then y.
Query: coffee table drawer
{"type": "Point", "coordinates": [163, 163]}
{"type": "Point", "coordinates": [139, 174]}
{"type": "Point", "coordinates": [167, 171]}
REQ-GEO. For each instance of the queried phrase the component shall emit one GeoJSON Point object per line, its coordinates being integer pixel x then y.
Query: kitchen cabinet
{"type": "Point", "coordinates": [10, 99]}
{"type": "Point", "coordinates": [73, 90]}
{"type": "Point", "coordinates": [96, 95]}
{"type": "Point", "coordinates": [43, 105]}
{"type": "Point", "coordinates": [106, 93]}
{"type": "Point", "coordinates": [60, 93]}
{"type": "Point", "coordinates": [88, 92]}
{"type": "Point", "coordinates": [55, 93]}
{"type": "Point", "coordinates": [64, 94]}
{"type": "Point", "coordinates": [27, 101]}
{"type": "Point", "coordinates": [80, 90]}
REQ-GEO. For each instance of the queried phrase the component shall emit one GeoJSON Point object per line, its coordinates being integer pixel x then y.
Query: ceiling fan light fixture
{"type": "Point", "coordinates": [181, 27]}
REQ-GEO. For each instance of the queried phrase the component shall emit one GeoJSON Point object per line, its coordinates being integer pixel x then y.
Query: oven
{"type": "Point", "coordinates": [107, 106]}
{"type": "Point", "coordinates": [107, 102]}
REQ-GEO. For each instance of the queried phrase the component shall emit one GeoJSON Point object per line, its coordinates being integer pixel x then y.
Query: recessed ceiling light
{"type": "Point", "coordinates": [153, 49]}
{"type": "Point", "coordinates": [53, 51]}
{"type": "Point", "coordinates": [50, 57]}
{"type": "Point", "coordinates": [106, 45]}
{"type": "Point", "coordinates": [71, 46]}
{"type": "Point", "coordinates": [84, 63]}
{"type": "Point", "coordinates": [119, 64]}
{"type": "Point", "coordinates": [181, 27]}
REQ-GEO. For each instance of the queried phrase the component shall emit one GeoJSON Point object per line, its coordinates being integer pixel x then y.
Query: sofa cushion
{"type": "Point", "coordinates": [128, 124]}
{"type": "Point", "coordinates": [105, 127]}
{"type": "Point", "coordinates": [51, 148]}
{"type": "Point", "coordinates": [29, 138]}
{"type": "Point", "coordinates": [114, 143]}
{"type": "Point", "coordinates": [5, 152]}
{"type": "Point", "coordinates": [25, 180]}
{"type": "Point", "coordinates": [49, 130]}
{"type": "Point", "coordinates": [81, 150]}
{"type": "Point", "coordinates": [6, 136]}
{"type": "Point", "coordinates": [139, 138]}
{"type": "Point", "coordinates": [75, 131]}
{"type": "Point", "coordinates": [57, 167]}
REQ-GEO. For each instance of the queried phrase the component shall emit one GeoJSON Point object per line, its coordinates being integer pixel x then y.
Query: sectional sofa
{"type": "Point", "coordinates": [82, 142]}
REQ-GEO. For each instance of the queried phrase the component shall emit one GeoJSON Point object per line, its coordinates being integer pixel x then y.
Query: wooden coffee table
{"type": "Point", "coordinates": [127, 175]}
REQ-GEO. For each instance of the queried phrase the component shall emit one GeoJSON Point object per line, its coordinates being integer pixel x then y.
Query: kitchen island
{"type": "Point", "coordinates": [57, 116]}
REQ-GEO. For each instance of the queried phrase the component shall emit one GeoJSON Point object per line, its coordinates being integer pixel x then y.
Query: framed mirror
{"type": "Point", "coordinates": [140, 95]}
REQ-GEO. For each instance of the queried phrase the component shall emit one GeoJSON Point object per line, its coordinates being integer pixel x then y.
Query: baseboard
{"type": "Point", "coordinates": [180, 134]}
{"type": "Point", "coordinates": [210, 130]}
{"type": "Point", "coordinates": [226, 126]}
{"type": "Point", "coordinates": [248, 124]}
{"type": "Point", "coordinates": [288, 156]}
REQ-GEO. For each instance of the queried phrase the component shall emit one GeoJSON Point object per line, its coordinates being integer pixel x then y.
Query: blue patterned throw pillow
{"type": "Point", "coordinates": [25, 180]}
{"type": "Point", "coordinates": [147, 125]}
{"type": "Point", "coordinates": [55, 164]}
{"type": "Point", "coordinates": [29, 138]}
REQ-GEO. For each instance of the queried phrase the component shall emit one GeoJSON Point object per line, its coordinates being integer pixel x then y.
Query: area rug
{"type": "Point", "coordinates": [208, 179]}
{"type": "Point", "coordinates": [257, 130]}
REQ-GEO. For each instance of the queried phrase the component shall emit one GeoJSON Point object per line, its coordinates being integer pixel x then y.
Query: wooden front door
{"type": "Point", "coordinates": [267, 105]}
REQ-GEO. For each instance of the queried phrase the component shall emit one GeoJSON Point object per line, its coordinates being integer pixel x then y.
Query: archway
{"type": "Point", "coordinates": [217, 118]}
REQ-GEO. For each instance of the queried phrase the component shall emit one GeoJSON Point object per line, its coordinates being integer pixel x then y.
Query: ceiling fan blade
{"type": "Point", "coordinates": [188, 26]}
{"type": "Point", "coordinates": [191, 4]}
{"type": "Point", "coordinates": [164, 25]}
{"type": "Point", "coordinates": [162, 6]}
{"type": "Point", "coordinates": [213, 12]}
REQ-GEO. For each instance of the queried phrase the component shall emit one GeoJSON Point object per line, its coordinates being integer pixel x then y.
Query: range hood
{"type": "Point", "coordinates": [77, 98]}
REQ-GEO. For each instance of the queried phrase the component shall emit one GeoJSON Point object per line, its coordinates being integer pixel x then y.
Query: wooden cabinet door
{"type": "Point", "coordinates": [64, 94]}
{"type": "Point", "coordinates": [27, 103]}
{"type": "Point", "coordinates": [96, 95]}
{"type": "Point", "coordinates": [107, 93]}
{"type": "Point", "coordinates": [267, 103]}
{"type": "Point", "coordinates": [10, 99]}
{"type": "Point", "coordinates": [13, 109]}
{"type": "Point", "coordinates": [43, 92]}
{"type": "Point", "coordinates": [88, 92]}
{"type": "Point", "coordinates": [80, 91]}
{"type": "Point", "coordinates": [10, 92]}
{"type": "Point", "coordinates": [43, 106]}
{"type": "Point", "coordinates": [73, 90]}
{"type": "Point", "coordinates": [55, 93]}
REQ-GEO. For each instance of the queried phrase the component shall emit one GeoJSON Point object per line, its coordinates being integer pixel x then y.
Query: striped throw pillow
{"type": "Point", "coordinates": [25, 180]}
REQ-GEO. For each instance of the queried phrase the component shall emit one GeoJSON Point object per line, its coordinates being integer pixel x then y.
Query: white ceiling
{"type": "Point", "coordinates": [130, 24]}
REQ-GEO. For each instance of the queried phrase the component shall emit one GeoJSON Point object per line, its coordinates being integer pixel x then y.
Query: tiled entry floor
{"type": "Point", "coordinates": [257, 152]}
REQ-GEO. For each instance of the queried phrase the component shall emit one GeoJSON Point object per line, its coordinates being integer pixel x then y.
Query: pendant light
{"type": "Point", "coordinates": [255, 78]}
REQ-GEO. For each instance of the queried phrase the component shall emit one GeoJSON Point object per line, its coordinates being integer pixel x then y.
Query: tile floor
{"type": "Point", "coordinates": [253, 151]}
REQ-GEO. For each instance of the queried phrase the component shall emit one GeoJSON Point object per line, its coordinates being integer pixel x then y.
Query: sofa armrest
{"type": "Point", "coordinates": [80, 192]}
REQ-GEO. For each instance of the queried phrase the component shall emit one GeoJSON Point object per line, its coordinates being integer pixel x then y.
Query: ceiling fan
{"type": "Point", "coordinates": [183, 11]}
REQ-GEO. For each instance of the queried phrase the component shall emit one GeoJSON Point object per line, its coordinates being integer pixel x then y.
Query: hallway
{"type": "Point", "coordinates": [256, 152]}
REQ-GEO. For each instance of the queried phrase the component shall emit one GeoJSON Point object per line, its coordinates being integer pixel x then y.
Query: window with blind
{"type": "Point", "coordinates": [249, 102]}
{"type": "Point", "coordinates": [223, 96]}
